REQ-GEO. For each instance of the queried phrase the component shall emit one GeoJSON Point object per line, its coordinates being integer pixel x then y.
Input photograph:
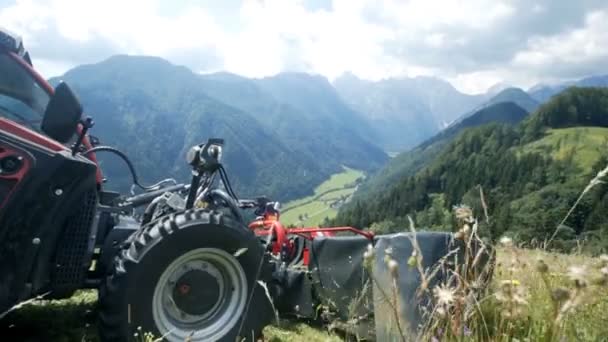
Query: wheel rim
{"type": "Point", "coordinates": [200, 296]}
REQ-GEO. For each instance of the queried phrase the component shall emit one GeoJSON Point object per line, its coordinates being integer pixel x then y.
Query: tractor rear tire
{"type": "Point", "coordinates": [191, 276]}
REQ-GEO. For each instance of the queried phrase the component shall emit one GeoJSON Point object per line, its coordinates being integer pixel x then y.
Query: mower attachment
{"type": "Point", "coordinates": [354, 300]}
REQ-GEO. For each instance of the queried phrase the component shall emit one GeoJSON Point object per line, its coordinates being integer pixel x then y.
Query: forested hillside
{"type": "Point", "coordinates": [408, 163]}
{"type": "Point", "coordinates": [529, 177]}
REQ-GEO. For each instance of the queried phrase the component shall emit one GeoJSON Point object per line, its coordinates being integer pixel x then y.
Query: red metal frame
{"type": "Point", "coordinates": [29, 135]}
{"type": "Point", "coordinates": [309, 232]}
{"type": "Point", "coordinates": [269, 224]}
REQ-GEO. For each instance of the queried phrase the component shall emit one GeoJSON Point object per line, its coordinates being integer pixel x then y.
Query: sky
{"type": "Point", "coordinates": [473, 44]}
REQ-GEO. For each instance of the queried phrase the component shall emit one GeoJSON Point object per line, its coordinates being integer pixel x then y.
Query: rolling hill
{"type": "Point", "coordinates": [531, 174]}
{"type": "Point", "coordinates": [582, 145]}
{"type": "Point", "coordinates": [513, 95]}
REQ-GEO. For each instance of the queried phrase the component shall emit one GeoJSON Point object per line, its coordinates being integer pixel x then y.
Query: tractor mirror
{"type": "Point", "coordinates": [62, 114]}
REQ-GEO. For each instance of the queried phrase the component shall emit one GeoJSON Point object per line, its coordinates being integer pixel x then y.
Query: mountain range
{"type": "Point", "coordinates": [276, 145]}
{"type": "Point", "coordinates": [405, 111]}
{"type": "Point", "coordinates": [510, 106]}
{"type": "Point", "coordinates": [285, 134]}
{"type": "Point", "coordinates": [543, 93]}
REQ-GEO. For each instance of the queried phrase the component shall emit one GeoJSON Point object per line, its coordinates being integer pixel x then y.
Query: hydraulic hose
{"type": "Point", "coordinates": [130, 166]}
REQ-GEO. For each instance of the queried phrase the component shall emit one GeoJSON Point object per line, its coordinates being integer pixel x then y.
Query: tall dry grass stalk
{"type": "Point", "coordinates": [597, 180]}
{"type": "Point", "coordinates": [22, 304]}
{"type": "Point", "coordinates": [472, 302]}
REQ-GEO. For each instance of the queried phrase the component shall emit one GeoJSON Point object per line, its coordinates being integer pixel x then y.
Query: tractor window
{"type": "Point", "coordinates": [22, 100]}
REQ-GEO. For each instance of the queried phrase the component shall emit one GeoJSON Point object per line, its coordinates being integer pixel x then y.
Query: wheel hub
{"type": "Point", "coordinates": [200, 296]}
{"type": "Point", "coordinates": [197, 292]}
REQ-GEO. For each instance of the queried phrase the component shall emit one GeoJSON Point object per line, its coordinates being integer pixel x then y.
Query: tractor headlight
{"type": "Point", "coordinates": [215, 151]}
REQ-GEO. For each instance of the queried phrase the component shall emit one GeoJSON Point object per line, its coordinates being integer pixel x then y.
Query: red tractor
{"type": "Point", "coordinates": [176, 260]}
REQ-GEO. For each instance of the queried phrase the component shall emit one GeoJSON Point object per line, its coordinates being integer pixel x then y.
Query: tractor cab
{"type": "Point", "coordinates": [24, 95]}
{"type": "Point", "coordinates": [28, 100]}
{"type": "Point", "coordinates": [31, 109]}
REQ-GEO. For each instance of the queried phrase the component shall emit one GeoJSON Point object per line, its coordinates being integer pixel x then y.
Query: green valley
{"type": "Point", "coordinates": [324, 204]}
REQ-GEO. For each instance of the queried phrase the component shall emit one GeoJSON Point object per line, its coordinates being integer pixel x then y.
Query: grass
{"type": "Point", "coordinates": [336, 194]}
{"type": "Point", "coordinates": [584, 144]}
{"type": "Point", "coordinates": [72, 319]}
{"type": "Point", "coordinates": [314, 209]}
{"type": "Point", "coordinates": [535, 295]}
{"type": "Point", "coordinates": [588, 319]}
{"type": "Point", "coordinates": [298, 332]}
{"type": "Point", "coordinates": [53, 320]}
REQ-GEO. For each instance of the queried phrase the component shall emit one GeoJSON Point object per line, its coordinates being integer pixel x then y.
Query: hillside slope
{"type": "Point", "coordinates": [513, 95]}
{"type": "Point", "coordinates": [528, 190]}
{"type": "Point", "coordinates": [154, 111]}
{"type": "Point", "coordinates": [306, 114]}
{"type": "Point", "coordinates": [408, 163]}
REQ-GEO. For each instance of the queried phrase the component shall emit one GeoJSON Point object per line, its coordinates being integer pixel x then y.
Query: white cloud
{"type": "Point", "coordinates": [133, 27]}
{"type": "Point", "coordinates": [474, 43]}
{"type": "Point", "coordinates": [476, 82]}
{"type": "Point", "coordinates": [425, 15]}
{"type": "Point", "coordinates": [585, 44]}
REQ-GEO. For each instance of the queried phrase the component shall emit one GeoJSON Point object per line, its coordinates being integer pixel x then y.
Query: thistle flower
{"type": "Point", "coordinates": [511, 293]}
{"type": "Point", "coordinates": [600, 281]}
{"type": "Point", "coordinates": [560, 294]}
{"type": "Point", "coordinates": [506, 241]}
{"type": "Point", "coordinates": [393, 268]}
{"type": "Point", "coordinates": [368, 256]}
{"type": "Point", "coordinates": [441, 312]}
{"type": "Point", "coordinates": [541, 266]}
{"type": "Point", "coordinates": [463, 212]}
{"type": "Point", "coordinates": [579, 275]}
{"type": "Point", "coordinates": [412, 261]}
{"type": "Point", "coordinates": [604, 259]}
{"type": "Point", "coordinates": [520, 296]}
{"type": "Point", "coordinates": [388, 255]}
{"type": "Point", "coordinates": [444, 295]}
